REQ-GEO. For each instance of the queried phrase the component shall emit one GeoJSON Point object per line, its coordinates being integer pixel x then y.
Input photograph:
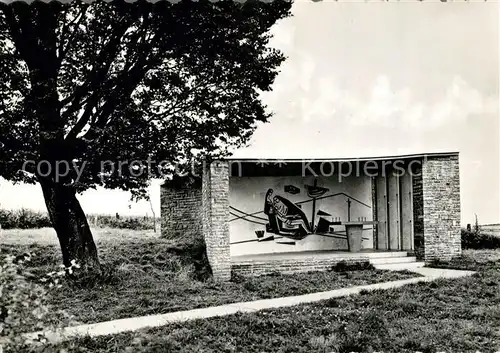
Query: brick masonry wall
{"type": "Point", "coordinates": [259, 268]}
{"type": "Point", "coordinates": [180, 212]}
{"type": "Point", "coordinates": [441, 207]}
{"type": "Point", "coordinates": [206, 210]}
{"type": "Point", "coordinates": [215, 217]}
{"type": "Point", "coordinates": [418, 211]}
{"type": "Point", "coordinates": [374, 211]}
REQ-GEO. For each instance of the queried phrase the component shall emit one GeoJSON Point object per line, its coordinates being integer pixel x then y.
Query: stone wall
{"type": "Point", "coordinates": [180, 212]}
{"type": "Point", "coordinates": [215, 217]}
{"type": "Point", "coordinates": [441, 207]}
{"type": "Point", "coordinates": [418, 211]}
{"type": "Point", "coordinates": [259, 268]}
{"type": "Point", "coordinates": [374, 211]}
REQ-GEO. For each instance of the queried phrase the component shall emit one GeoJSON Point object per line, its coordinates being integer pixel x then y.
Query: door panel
{"type": "Point", "coordinates": [382, 241]}
{"type": "Point", "coordinates": [406, 211]}
{"type": "Point", "coordinates": [394, 217]}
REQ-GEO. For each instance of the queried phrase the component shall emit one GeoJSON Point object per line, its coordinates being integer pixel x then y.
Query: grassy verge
{"type": "Point", "coordinates": [452, 315]}
{"type": "Point", "coordinates": [29, 219]}
{"type": "Point", "coordinates": [146, 275]}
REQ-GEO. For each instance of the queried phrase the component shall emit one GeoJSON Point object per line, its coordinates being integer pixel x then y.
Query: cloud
{"type": "Point", "coordinates": [321, 99]}
{"type": "Point", "coordinates": [460, 102]}
{"type": "Point", "coordinates": [384, 104]}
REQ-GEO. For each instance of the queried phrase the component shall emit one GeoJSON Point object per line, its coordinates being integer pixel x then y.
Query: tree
{"type": "Point", "coordinates": [90, 92]}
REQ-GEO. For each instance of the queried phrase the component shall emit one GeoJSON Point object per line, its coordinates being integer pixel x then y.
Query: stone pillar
{"type": "Point", "coordinates": [374, 211]}
{"type": "Point", "coordinates": [418, 210]}
{"type": "Point", "coordinates": [441, 207]}
{"type": "Point", "coordinates": [180, 212]}
{"type": "Point", "coordinates": [215, 204]}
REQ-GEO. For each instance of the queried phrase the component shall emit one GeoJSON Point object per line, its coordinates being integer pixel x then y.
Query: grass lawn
{"type": "Point", "coordinates": [452, 315]}
{"type": "Point", "coordinates": [147, 275]}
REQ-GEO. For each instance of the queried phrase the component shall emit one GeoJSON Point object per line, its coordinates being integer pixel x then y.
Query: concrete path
{"type": "Point", "coordinates": [137, 323]}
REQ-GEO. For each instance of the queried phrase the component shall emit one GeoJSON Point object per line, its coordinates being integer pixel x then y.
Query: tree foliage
{"type": "Point", "coordinates": [107, 83]}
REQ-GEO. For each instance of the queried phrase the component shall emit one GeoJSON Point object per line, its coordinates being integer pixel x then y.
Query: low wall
{"type": "Point", "coordinates": [287, 266]}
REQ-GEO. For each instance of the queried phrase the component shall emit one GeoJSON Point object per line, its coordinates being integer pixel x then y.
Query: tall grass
{"type": "Point", "coordinates": [29, 219]}
{"type": "Point", "coordinates": [475, 239]}
{"type": "Point", "coordinates": [122, 222]}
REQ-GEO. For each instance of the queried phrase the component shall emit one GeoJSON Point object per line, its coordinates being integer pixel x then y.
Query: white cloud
{"type": "Point", "coordinates": [319, 98]}
{"type": "Point", "coordinates": [459, 103]}
{"type": "Point", "coordinates": [384, 105]}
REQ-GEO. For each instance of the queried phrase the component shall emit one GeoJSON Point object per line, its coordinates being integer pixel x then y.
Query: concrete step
{"type": "Point", "coordinates": [385, 254]}
{"type": "Point", "coordinates": [400, 266]}
{"type": "Point", "coordinates": [392, 260]}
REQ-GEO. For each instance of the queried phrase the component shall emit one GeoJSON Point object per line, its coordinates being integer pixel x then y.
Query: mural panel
{"type": "Point", "coordinates": [282, 214]}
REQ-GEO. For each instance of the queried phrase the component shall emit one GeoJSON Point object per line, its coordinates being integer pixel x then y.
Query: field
{"type": "Point", "coordinates": [144, 274]}
{"type": "Point", "coordinates": [453, 315]}
{"type": "Point", "coordinates": [493, 229]}
{"type": "Point", "coordinates": [29, 219]}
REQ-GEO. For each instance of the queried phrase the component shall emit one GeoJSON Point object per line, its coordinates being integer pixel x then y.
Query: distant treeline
{"type": "Point", "coordinates": [29, 219]}
{"type": "Point", "coordinates": [478, 237]}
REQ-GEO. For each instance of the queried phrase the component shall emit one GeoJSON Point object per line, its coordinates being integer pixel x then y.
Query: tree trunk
{"type": "Point", "coordinates": [71, 226]}
{"type": "Point", "coordinates": [35, 35]}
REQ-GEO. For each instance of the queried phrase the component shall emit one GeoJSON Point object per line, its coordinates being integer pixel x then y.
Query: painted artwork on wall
{"type": "Point", "coordinates": [295, 215]}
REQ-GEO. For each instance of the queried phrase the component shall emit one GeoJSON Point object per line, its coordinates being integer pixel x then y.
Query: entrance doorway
{"type": "Point", "coordinates": [394, 209]}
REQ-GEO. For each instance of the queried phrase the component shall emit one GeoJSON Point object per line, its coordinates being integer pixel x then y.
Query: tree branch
{"type": "Point", "coordinates": [24, 43]}
{"type": "Point", "coordinates": [106, 56]}
{"type": "Point", "coordinates": [84, 119]}
{"type": "Point", "coordinates": [106, 87]}
{"type": "Point", "coordinates": [62, 49]}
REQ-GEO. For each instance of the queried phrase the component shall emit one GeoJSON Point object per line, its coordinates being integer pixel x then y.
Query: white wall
{"type": "Point", "coordinates": [248, 193]}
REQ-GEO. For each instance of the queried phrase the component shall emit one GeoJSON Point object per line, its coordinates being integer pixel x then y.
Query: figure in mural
{"type": "Point", "coordinates": [285, 218]}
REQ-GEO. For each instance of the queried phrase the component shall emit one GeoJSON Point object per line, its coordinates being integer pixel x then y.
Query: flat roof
{"type": "Point", "coordinates": [333, 159]}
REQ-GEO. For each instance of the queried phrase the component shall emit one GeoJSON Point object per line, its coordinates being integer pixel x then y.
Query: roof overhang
{"type": "Point", "coordinates": [345, 159]}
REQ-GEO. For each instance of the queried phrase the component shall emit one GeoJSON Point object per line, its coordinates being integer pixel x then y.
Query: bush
{"type": "Point", "coordinates": [474, 239]}
{"type": "Point", "coordinates": [23, 305]}
{"type": "Point", "coordinates": [29, 219]}
{"type": "Point", "coordinates": [343, 266]}
{"type": "Point", "coordinates": [23, 219]}
{"type": "Point", "coordinates": [123, 222]}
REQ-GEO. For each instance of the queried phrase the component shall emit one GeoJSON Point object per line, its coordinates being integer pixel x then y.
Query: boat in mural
{"type": "Point", "coordinates": [291, 189]}
{"type": "Point", "coordinates": [314, 191]}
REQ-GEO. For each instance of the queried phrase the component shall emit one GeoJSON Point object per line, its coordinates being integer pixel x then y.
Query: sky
{"type": "Point", "coordinates": [369, 79]}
